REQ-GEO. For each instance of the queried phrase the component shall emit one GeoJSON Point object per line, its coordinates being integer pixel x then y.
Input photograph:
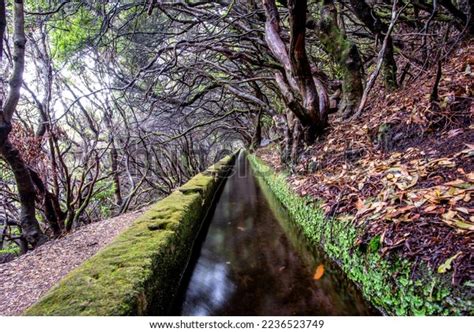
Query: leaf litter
{"type": "Point", "coordinates": [403, 171]}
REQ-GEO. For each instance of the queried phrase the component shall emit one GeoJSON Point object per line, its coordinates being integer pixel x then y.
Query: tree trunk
{"type": "Point", "coordinates": [116, 175]}
{"type": "Point", "coordinates": [303, 74]}
{"type": "Point", "coordinates": [297, 77]}
{"type": "Point", "coordinates": [364, 13]}
{"type": "Point", "coordinates": [257, 137]}
{"type": "Point", "coordinates": [30, 228]}
{"type": "Point", "coordinates": [389, 66]}
{"type": "Point", "coordinates": [52, 210]}
{"type": "Point", "coordinates": [299, 60]}
{"type": "Point", "coordinates": [380, 59]}
{"type": "Point", "coordinates": [287, 138]}
{"type": "Point", "coordinates": [296, 142]}
{"type": "Point", "coordinates": [346, 55]}
{"type": "Point", "coordinates": [3, 26]}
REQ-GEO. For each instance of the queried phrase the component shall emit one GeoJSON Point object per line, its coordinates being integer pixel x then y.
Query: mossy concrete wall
{"type": "Point", "coordinates": [140, 271]}
{"type": "Point", "coordinates": [389, 284]}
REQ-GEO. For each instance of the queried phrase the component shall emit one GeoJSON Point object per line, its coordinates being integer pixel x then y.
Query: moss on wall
{"type": "Point", "coordinates": [140, 271]}
{"type": "Point", "coordinates": [388, 284]}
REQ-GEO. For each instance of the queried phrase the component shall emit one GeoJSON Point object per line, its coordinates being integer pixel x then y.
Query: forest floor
{"type": "Point", "coordinates": [25, 279]}
{"type": "Point", "coordinates": [404, 170]}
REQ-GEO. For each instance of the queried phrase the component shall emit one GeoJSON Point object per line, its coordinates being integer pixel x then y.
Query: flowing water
{"type": "Point", "coordinates": [251, 260]}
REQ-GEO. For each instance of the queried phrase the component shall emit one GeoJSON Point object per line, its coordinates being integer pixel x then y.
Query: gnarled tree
{"type": "Point", "coordinates": [30, 227]}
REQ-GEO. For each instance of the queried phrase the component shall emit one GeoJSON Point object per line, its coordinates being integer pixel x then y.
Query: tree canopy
{"type": "Point", "coordinates": [108, 105]}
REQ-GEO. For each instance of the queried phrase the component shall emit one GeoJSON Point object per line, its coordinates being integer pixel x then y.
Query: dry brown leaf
{"type": "Point", "coordinates": [430, 208]}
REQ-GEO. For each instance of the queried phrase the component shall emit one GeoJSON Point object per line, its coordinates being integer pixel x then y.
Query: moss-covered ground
{"type": "Point", "coordinates": [140, 271]}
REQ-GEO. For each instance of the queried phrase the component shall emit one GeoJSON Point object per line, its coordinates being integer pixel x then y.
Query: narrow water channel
{"type": "Point", "coordinates": [252, 261]}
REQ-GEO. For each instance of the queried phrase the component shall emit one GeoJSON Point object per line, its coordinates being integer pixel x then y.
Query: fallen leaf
{"type": "Point", "coordinates": [319, 272]}
{"type": "Point", "coordinates": [449, 216]}
{"type": "Point", "coordinates": [467, 197]}
{"type": "Point", "coordinates": [470, 176]}
{"type": "Point", "coordinates": [399, 211]}
{"type": "Point", "coordinates": [463, 210]}
{"type": "Point", "coordinates": [430, 208]}
{"type": "Point", "coordinates": [419, 203]}
{"type": "Point", "coordinates": [455, 132]}
{"type": "Point", "coordinates": [359, 204]}
{"type": "Point", "coordinates": [464, 225]}
{"type": "Point", "coordinates": [408, 182]}
{"type": "Point", "coordinates": [443, 268]}
{"type": "Point", "coordinates": [452, 218]}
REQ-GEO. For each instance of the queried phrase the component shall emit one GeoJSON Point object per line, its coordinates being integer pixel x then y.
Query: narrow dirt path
{"type": "Point", "coordinates": [25, 279]}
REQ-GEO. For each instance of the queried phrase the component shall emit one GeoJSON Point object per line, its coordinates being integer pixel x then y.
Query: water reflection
{"type": "Point", "coordinates": [212, 288]}
{"type": "Point", "coordinates": [248, 266]}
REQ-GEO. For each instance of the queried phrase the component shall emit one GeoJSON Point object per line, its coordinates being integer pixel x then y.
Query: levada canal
{"type": "Point", "coordinates": [251, 260]}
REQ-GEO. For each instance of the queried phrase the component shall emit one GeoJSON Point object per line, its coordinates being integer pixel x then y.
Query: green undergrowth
{"type": "Point", "coordinates": [140, 271]}
{"type": "Point", "coordinates": [389, 284]}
